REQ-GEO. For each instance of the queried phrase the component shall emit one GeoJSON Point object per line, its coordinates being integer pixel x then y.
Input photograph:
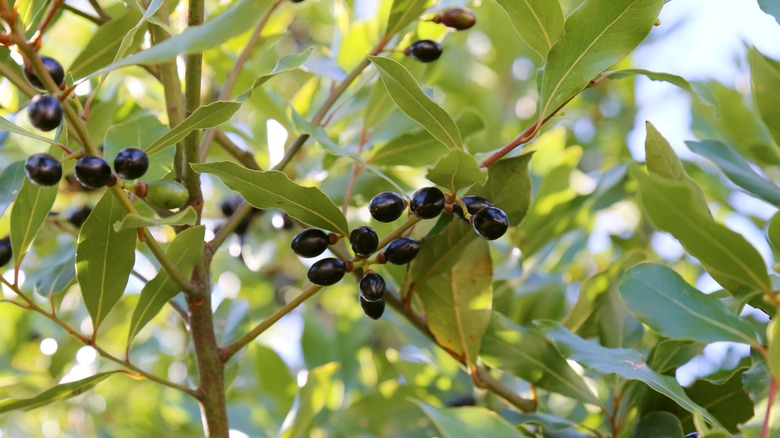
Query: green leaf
{"type": "Point", "coordinates": [225, 26]}
{"type": "Point", "coordinates": [185, 251]}
{"type": "Point", "coordinates": [457, 170]}
{"type": "Point", "coordinates": [413, 102]}
{"type": "Point", "coordinates": [103, 47]}
{"type": "Point", "coordinates": [597, 34]}
{"type": "Point", "coordinates": [33, 204]}
{"type": "Point", "coordinates": [728, 402]}
{"type": "Point", "coordinates": [11, 180]}
{"type": "Point", "coordinates": [773, 338]}
{"type": "Point", "coordinates": [549, 422]}
{"type": "Point", "coordinates": [5, 125]}
{"type": "Point", "coordinates": [765, 80]}
{"type": "Point", "coordinates": [404, 12]}
{"type": "Point", "coordinates": [56, 393]}
{"type": "Point", "coordinates": [539, 22]}
{"type": "Point", "coordinates": [527, 354]}
{"type": "Point", "coordinates": [219, 112]}
{"type": "Point", "coordinates": [420, 148]}
{"type": "Point", "coordinates": [139, 132]}
{"type": "Point", "coordinates": [311, 400]}
{"type": "Point", "coordinates": [509, 186]}
{"type": "Point", "coordinates": [466, 422]}
{"type": "Point", "coordinates": [771, 7]}
{"type": "Point", "coordinates": [187, 216]}
{"type": "Point", "coordinates": [773, 231]}
{"type": "Point", "coordinates": [699, 91]}
{"type": "Point", "coordinates": [57, 279]}
{"type": "Point", "coordinates": [658, 424]}
{"type": "Point", "coordinates": [272, 189]}
{"type": "Point", "coordinates": [457, 299]}
{"type": "Point", "coordinates": [736, 169]}
{"type": "Point", "coordinates": [672, 208]}
{"type": "Point", "coordinates": [626, 363]}
{"type": "Point", "coordinates": [660, 298]}
{"type": "Point", "coordinates": [104, 258]}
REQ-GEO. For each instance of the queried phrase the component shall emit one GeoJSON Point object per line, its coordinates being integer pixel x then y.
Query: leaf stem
{"type": "Point", "coordinates": [765, 431]}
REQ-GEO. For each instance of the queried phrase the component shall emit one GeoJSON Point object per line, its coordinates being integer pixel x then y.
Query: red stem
{"type": "Point", "coordinates": [770, 400]}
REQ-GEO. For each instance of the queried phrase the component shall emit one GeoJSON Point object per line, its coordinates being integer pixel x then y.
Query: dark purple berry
{"type": "Point", "coordinates": [364, 241]}
{"type": "Point", "coordinates": [457, 18]}
{"type": "Point", "coordinates": [5, 251]}
{"type": "Point", "coordinates": [402, 250]}
{"type": "Point", "coordinates": [228, 206]}
{"type": "Point", "coordinates": [131, 163]}
{"type": "Point", "coordinates": [372, 309]}
{"type": "Point", "coordinates": [490, 223]}
{"type": "Point", "coordinates": [473, 205]}
{"type": "Point", "coordinates": [92, 172]}
{"type": "Point", "coordinates": [424, 50]}
{"type": "Point", "coordinates": [45, 112]}
{"type": "Point", "coordinates": [372, 287]}
{"type": "Point", "coordinates": [43, 170]}
{"type": "Point", "coordinates": [310, 242]}
{"type": "Point", "coordinates": [78, 216]}
{"type": "Point", "coordinates": [427, 203]}
{"type": "Point", "coordinates": [52, 66]}
{"type": "Point", "coordinates": [326, 272]}
{"type": "Point", "coordinates": [387, 206]}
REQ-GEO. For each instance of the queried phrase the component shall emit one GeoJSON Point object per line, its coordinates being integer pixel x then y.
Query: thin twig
{"type": "Point", "coordinates": [765, 430]}
{"type": "Point", "coordinates": [82, 14]}
{"type": "Point", "coordinates": [99, 10]}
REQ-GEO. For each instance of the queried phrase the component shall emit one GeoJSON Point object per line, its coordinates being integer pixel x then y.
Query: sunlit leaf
{"type": "Point", "coordinates": [539, 22]}
{"type": "Point", "coordinates": [57, 393]}
{"type": "Point", "coordinates": [311, 400]}
{"type": "Point", "coordinates": [468, 422]}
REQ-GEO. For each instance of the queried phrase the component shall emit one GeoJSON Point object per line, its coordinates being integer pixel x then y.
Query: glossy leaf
{"type": "Point", "coordinates": [219, 112]}
{"type": "Point", "coordinates": [626, 363]}
{"type": "Point", "coordinates": [272, 189]}
{"type": "Point", "coordinates": [509, 187]}
{"type": "Point", "coordinates": [457, 170]}
{"type": "Point", "coordinates": [468, 422]}
{"type": "Point", "coordinates": [6, 125]}
{"type": "Point", "coordinates": [57, 279]}
{"type": "Point", "coordinates": [539, 22]}
{"type": "Point", "coordinates": [458, 298]}
{"type": "Point", "coordinates": [597, 34]}
{"type": "Point", "coordinates": [311, 400]}
{"type": "Point", "coordinates": [527, 354]}
{"type": "Point", "coordinates": [658, 424]}
{"type": "Point", "coordinates": [229, 24]}
{"type": "Point", "coordinates": [185, 251]}
{"type": "Point", "coordinates": [660, 298]}
{"type": "Point", "coordinates": [671, 207]}
{"type": "Point", "coordinates": [728, 402]}
{"type": "Point", "coordinates": [33, 203]}
{"type": "Point", "coordinates": [11, 180]}
{"type": "Point", "coordinates": [57, 393]}
{"type": "Point", "coordinates": [699, 91]}
{"type": "Point", "coordinates": [104, 258]}
{"type": "Point", "coordinates": [404, 12]}
{"type": "Point", "coordinates": [765, 80]}
{"type": "Point", "coordinates": [104, 45]}
{"type": "Point", "coordinates": [413, 102]}
{"type": "Point", "coordinates": [550, 422]}
{"type": "Point", "coordinates": [188, 216]}
{"type": "Point", "coordinates": [737, 169]}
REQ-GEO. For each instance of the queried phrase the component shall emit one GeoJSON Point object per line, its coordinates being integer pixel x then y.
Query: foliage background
{"type": "Point", "coordinates": [585, 220]}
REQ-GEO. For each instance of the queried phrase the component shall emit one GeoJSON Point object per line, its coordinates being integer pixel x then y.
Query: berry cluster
{"type": "Point", "coordinates": [454, 18]}
{"type": "Point", "coordinates": [488, 221]}
{"type": "Point", "coordinates": [44, 110]}
{"type": "Point", "coordinates": [90, 171]}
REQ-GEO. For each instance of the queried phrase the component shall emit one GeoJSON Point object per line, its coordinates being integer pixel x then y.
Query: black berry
{"type": "Point", "coordinates": [310, 242]}
{"type": "Point", "coordinates": [387, 206]}
{"type": "Point", "coordinates": [92, 172]}
{"type": "Point", "coordinates": [228, 206]}
{"type": "Point", "coordinates": [457, 18]}
{"type": "Point", "coordinates": [5, 251]}
{"type": "Point", "coordinates": [372, 309]}
{"type": "Point", "coordinates": [364, 241]}
{"type": "Point", "coordinates": [52, 66]}
{"type": "Point", "coordinates": [372, 287]}
{"type": "Point", "coordinates": [427, 203]}
{"type": "Point", "coordinates": [43, 169]}
{"type": "Point", "coordinates": [131, 163]}
{"type": "Point", "coordinates": [490, 223]}
{"type": "Point", "coordinates": [473, 205]}
{"type": "Point", "coordinates": [78, 216]}
{"type": "Point", "coordinates": [45, 112]}
{"type": "Point", "coordinates": [402, 250]}
{"type": "Point", "coordinates": [424, 50]}
{"type": "Point", "coordinates": [326, 272]}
